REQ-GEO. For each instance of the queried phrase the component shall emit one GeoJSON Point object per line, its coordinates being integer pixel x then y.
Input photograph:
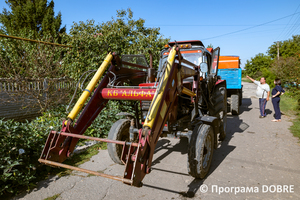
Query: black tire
{"type": "Point", "coordinates": [234, 104]}
{"type": "Point", "coordinates": [200, 151]}
{"type": "Point", "coordinates": [240, 96]}
{"type": "Point", "coordinates": [219, 108]}
{"type": "Point", "coordinates": [223, 115]}
{"type": "Point", "coordinates": [119, 131]}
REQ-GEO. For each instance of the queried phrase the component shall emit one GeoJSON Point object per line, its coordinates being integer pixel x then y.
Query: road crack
{"type": "Point", "coordinates": [107, 191]}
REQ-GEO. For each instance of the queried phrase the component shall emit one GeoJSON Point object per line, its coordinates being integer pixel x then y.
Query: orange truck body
{"type": "Point", "coordinates": [229, 62]}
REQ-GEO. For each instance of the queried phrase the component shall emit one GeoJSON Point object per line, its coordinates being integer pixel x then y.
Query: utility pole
{"type": "Point", "coordinates": [277, 50]}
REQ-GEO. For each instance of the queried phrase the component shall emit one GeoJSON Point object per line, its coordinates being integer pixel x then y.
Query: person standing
{"type": "Point", "coordinates": [276, 93]}
{"type": "Point", "coordinates": [263, 93]}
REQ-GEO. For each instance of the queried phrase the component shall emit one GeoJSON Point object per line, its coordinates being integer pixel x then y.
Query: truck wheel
{"type": "Point", "coordinates": [119, 131]}
{"type": "Point", "coordinates": [240, 96]}
{"type": "Point", "coordinates": [235, 105]}
{"type": "Point", "coordinates": [200, 151]}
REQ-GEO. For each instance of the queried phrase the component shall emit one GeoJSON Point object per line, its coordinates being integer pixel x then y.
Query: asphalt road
{"type": "Point", "coordinates": [259, 159]}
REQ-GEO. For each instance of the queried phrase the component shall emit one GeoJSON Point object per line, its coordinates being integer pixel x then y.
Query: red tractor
{"type": "Point", "coordinates": [183, 98]}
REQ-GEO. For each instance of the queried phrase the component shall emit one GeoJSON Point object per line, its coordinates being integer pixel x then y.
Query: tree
{"type": "Point", "coordinates": [35, 78]}
{"type": "Point", "coordinates": [37, 16]}
{"type": "Point", "coordinates": [287, 48]}
{"type": "Point", "coordinates": [33, 20]}
{"type": "Point", "coordinates": [25, 65]}
{"type": "Point", "coordinates": [255, 65]}
{"type": "Point", "coordinates": [287, 69]}
{"type": "Point", "coordinates": [288, 66]}
{"type": "Point", "coordinates": [122, 34]}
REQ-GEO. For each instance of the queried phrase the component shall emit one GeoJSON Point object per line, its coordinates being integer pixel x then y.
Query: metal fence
{"type": "Point", "coordinates": [18, 107]}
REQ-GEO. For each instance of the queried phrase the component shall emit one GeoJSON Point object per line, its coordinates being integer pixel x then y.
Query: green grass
{"type": "Point", "coordinates": [246, 80]}
{"type": "Point", "coordinates": [53, 197]}
{"type": "Point", "coordinates": [295, 128]}
{"type": "Point", "coordinates": [78, 159]}
{"type": "Point", "coordinates": [288, 106]}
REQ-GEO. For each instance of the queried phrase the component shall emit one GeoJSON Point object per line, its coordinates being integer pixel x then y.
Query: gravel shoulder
{"type": "Point", "coordinates": [256, 155]}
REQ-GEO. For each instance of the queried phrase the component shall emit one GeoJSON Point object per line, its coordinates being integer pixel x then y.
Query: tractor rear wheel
{"type": "Point", "coordinates": [119, 131]}
{"type": "Point", "coordinates": [200, 151]}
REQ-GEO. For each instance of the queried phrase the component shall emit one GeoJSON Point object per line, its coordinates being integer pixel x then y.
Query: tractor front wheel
{"type": "Point", "coordinates": [200, 151]}
{"type": "Point", "coordinates": [119, 131]}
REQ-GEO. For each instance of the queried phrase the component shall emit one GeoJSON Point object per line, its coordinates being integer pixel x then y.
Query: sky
{"type": "Point", "coordinates": [242, 28]}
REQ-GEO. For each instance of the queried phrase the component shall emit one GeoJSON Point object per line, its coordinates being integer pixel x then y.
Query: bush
{"type": "Point", "coordinates": [19, 153]}
{"type": "Point", "coordinates": [270, 77]}
{"type": "Point", "coordinates": [22, 144]}
{"type": "Point", "coordinates": [102, 124]}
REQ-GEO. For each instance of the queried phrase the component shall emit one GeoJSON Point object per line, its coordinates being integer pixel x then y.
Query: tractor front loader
{"type": "Point", "coordinates": [186, 99]}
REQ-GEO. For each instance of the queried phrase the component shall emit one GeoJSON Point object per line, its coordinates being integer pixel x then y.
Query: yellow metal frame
{"type": "Point", "coordinates": [159, 92]}
{"type": "Point", "coordinates": [87, 92]}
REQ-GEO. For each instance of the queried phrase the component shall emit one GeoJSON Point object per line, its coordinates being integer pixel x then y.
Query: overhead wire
{"type": "Point", "coordinates": [288, 22]}
{"type": "Point", "coordinates": [230, 33]}
{"type": "Point", "coordinates": [294, 27]}
{"type": "Point", "coordinates": [36, 41]}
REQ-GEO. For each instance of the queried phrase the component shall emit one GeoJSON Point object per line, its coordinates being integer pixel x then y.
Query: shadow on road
{"type": "Point", "coordinates": [165, 144]}
{"type": "Point", "coordinates": [234, 125]}
{"type": "Point", "coordinates": [246, 102]}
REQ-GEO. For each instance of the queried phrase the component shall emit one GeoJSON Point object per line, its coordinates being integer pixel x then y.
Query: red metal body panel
{"type": "Point", "coordinates": [219, 81]}
{"type": "Point", "coordinates": [128, 94]}
{"type": "Point", "coordinates": [146, 85]}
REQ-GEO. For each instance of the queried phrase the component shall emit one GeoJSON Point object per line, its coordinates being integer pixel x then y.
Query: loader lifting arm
{"type": "Point", "coordinates": [136, 154]}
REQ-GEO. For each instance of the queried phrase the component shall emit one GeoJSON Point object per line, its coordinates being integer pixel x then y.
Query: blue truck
{"type": "Point", "coordinates": [229, 70]}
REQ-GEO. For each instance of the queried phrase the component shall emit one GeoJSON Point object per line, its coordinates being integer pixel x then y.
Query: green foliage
{"type": "Point", "coordinates": [53, 197]}
{"type": "Point", "coordinates": [37, 16]}
{"type": "Point", "coordinates": [290, 105]}
{"type": "Point", "coordinates": [253, 68]}
{"type": "Point", "coordinates": [18, 155]}
{"type": "Point", "coordinates": [295, 93]}
{"type": "Point", "coordinates": [22, 144]}
{"type": "Point", "coordinates": [287, 48]}
{"type": "Point", "coordinates": [102, 124]}
{"type": "Point", "coordinates": [31, 20]}
{"type": "Point", "coordinates": [26, 63]}
{"type": "Point", "coordinates": [122, 34]}
{"type": "Point", "coordinates": [20, 59]}
{"type": "Point", "coordinates": [287, 69]}
{"type": "Point", "coordinates": [295, 128]}
{"type": "Point", "coordinates": [269, 76]}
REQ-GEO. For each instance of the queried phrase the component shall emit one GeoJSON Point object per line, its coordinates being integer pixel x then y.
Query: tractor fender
{"type": "Point", "coordinates": [214, 122]}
